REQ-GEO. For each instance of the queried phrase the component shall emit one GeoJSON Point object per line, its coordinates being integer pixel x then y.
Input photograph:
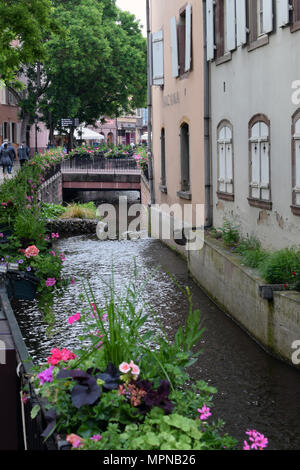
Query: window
{"type": "Point", "coordinates": [259, 151]}
{"type": "Point", "coordinates": [3, 92]}
{"type": "Point", "coordinates": [296, 163]}
{"type": "Point", "coordinates": [185, 161]}
{"type": "Point", "coordinates": [225, 161]}
{"type": "Point", "coordinates": [260, 13]}
{"type": "Point", "coordinates": [6, 135]}
{"type": "Point", "coordinates": [225, 28]}
{"type": "Point", "coordinates": [163, 160]}
{"type": "Point", "coordinates": [13, 132]}
{"type": "Point", "coordinates": [181, 41]}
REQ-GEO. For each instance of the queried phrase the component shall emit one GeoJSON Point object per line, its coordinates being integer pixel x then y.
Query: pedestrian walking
{"type": "Point", "coordinates": [6, 160]}
{"type": "Point", "coordinates": [23, 154]}
{"type": "Point", "coordinates": [13, 156]}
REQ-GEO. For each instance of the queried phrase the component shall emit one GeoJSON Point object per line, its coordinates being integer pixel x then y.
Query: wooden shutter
{"type": "Point", "coordinates": [158, 58]}
{"type": "Point", "coordinates": [181, 47]}
{"type": "Point", "coordinates": [219, 28]}
{"type": "Point", "coordinates": [283, 12]}
{"type": "Point", "coordinates": [174, 46]}
{"type": "Point", "coordinates": [188, 37]}
{"type": "Point", "coordinates": [241, 27]}
{"type": "Point", "coordinates": [230, 25]}
{"type": "Point", "coordinates": [267, 16]}
{"type": "Point", "coordinates": [228, 163]}
{"type": "Point", "coordinates": [210, 30]}
{"type": "Point", "coordinates": [296, 15]}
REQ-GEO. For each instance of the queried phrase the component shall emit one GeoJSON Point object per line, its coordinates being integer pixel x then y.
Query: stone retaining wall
{"type": "Point", "coordinates": [72, 227]}
{"type": "Point", "coordinates": [275, 324]}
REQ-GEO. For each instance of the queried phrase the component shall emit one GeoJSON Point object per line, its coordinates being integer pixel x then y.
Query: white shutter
{"type": "Point", "coordinates": [158, 58]}
{"type": "Point", "coordinates": [241, 27]}
{"type": "Point", "coordinates": [297, 143]}
{"type": "Point", "coordinates": [210, 41]}
{"type": "Point", "coordinates": [222, 167]}
{"type": "Point", "coordinates": [174, 44]}
{"type": "Point", "coordinates": [283, 12]}
{"type": "Point", "coordinates": [188, 36]}
{"type": "Point", "coordinates": [230, 25]}
{"type": "Point", "coordinates": [267, 16]}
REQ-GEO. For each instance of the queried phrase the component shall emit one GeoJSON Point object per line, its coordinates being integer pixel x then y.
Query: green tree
{"type": "Point", "coordinates": [98, 67]}
{"type": "Point", "coordinates": [23, 27]}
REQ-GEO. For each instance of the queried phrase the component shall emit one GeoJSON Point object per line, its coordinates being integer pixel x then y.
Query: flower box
{"type": "Point", "coordinates": [22, 286]}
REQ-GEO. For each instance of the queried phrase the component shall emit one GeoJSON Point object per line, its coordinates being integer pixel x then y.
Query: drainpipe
{"type": "Point", "coordinates": [207, 149]}
{"type": "Point", "coordinates": [149, 93]}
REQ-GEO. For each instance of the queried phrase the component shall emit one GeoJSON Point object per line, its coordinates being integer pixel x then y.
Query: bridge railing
{"type": "Point", "coordinates": [99, 164]}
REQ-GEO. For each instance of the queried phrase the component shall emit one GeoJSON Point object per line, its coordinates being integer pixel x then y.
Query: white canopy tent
{"type": "Point", "coordinates": [83, 133]}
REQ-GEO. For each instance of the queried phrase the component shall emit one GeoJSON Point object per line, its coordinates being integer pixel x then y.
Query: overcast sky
{"type": "Point", "coordinates": [138, 8]}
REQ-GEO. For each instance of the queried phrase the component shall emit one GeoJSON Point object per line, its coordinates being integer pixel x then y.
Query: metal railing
{"type": "Point", "coordinates": [99, 164]}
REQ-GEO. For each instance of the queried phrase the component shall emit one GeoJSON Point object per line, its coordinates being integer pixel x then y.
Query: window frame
{"type": "Point", "coordinates": [259, 202]}
{"type": "Point", "coordinates": [256, 38]}
{"type": "Point", "coordinates": [295, 208]}
{"type": "Point", "coordinates": [225, 195]}
{"type": "Point", "coordinates": [163, 175]}
{"type": "Point", "coordinates": [185, 160]}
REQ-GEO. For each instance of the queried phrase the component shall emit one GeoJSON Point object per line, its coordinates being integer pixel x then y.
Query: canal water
{"type": "Point", "coordinates": [255, 391]}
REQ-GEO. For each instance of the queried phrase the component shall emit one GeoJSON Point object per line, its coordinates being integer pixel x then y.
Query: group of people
{"type": "Point", "coordinates": [8, 156]}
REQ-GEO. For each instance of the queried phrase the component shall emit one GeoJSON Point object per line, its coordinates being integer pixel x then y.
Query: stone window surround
{"type": "Point", "coordinates": [253, 202]}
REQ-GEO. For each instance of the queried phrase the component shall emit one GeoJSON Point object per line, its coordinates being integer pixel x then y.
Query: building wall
{"type": "Point", "coordinates": [9, 114]}
{"type": "Point", "coordinates": [249, 83]}
{"type": "Point", "coordinates": [179, 100]}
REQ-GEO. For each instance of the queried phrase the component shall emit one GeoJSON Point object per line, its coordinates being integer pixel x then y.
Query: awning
{"type": "Point", "coordinates": [83, 133]}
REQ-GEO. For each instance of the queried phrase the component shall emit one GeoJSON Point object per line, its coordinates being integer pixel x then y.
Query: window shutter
{"type": "Point", "coordinates": [267, 16]}
{"type": "Point", "coordinates": [222, 167]}
{"type": "Point", "coordinates": [296, 13]}
{"type": "Point", "coordinates": [283, 12]}
{"type": "Point", "coordinates": [210, 30]}
{"type": "Point", "coordinates": [188, 37]}
{"type": "Point", "coordinates": [158, 58]}
{"type": "Point", "coordinates": [297, 163]}
{"type": "Point", "coordinates": [241, 28]}
{"type": "Point", "coordinates": [230, 25]}
{"type": "Point", "coordinates": [174, 45]}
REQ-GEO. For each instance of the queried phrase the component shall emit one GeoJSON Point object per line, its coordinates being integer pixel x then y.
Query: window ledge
{"type": "Point", "coordinates": [184, 195]}
{"type": "Point", "coordinates": [163, 188]}
{"type": "Point", "coordinates": [225, 196]}
{"type": "Point", "coordinates": [295, 210]}
{"type": "Point", "coordinates": [260, 204]}
{"type": "Point", "coordinates": [225, 58]}
{"type": "Point", "coordinates": [261, 41]}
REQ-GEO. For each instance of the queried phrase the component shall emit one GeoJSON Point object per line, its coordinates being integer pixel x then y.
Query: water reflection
{"type": "Point", "coordinates": [254, 389]}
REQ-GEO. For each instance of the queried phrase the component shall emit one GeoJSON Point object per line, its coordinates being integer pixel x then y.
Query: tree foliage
{"type": "Point", "coordinates": [24, 24]}
{"type": "Point", "coordinates": [97, 67]}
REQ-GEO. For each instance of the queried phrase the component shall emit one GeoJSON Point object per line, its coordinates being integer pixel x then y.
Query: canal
{"type": "Point", "coordinates": [255, 391]}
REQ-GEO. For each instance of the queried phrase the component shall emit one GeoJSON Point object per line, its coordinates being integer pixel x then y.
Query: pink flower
{"type": "Point", "coordinates": [1, 235]}
{"type": "Point", "coordinates": [204, 412]}
{"type": "Point", "coordinates": [124, 367]}
{"type": "Point", "coordinates": [58, 356]}
{"type": "Point", "coordinates": [96, 437]}
{"type": "Point", "coordinates": [46, 376]}
{"type": "Point", "coordinates": [257, 441]}
{"type": "Point", "coordinates": [75, 440]}
{"type": "Point", "coordinates": [31, 251]}
{"type": "Point", "coordinates": [74, 318]}
{"type": "Point", "coordinates": [50, 281]}
{"type": "Point", "coordinates": [134, 368]}
{"type": "Point", "coordinates": [52, 253]}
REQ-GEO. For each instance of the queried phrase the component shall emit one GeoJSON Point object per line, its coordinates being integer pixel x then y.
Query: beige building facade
{"type": "Point", "coordinates": [178, 103]}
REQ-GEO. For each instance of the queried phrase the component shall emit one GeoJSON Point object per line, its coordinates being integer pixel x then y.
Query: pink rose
{"type": "Point", "coordinates": [31, 251]}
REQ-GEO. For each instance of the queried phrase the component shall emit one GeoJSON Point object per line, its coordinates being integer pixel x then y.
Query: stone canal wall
{"type": "Point", "coordinates": [273, 323]}
{"type": "Point", "coordinates": [52, 190]}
